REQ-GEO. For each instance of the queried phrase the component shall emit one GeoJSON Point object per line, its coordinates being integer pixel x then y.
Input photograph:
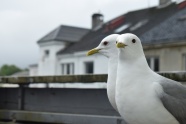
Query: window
{"type": "Point", "coordinates": [153, 63]}
{"type": "Point", "coordinates": [182, 18]}
{"type": "Point", "coordinates": [89, 67]}
{"type": "Point", "coordinates": [67, 68]}
{"type": "Point", "coordinates": [47, 52]}
{"type": "Point", "coordinates": [121, 28]}
{"type": "Point", "coordinates": [138, 25]}
{"type": "Point", "coordinates": [184, 62]}
{"type": "Point", "coordinates": [45, 55]}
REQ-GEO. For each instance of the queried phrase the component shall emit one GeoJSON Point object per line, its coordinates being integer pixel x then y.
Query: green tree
{"type": "Point", "coordinates": [7, 70]}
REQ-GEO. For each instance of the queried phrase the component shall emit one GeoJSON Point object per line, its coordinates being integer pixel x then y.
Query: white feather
{"type": "Point", "coordinates": [137, 88]}
{"type": "Point", "coordinates": [111, 52]}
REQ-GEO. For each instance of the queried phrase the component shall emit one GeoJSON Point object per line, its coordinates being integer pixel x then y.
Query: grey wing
{"type": "Point", "coordinates": [174, 99]}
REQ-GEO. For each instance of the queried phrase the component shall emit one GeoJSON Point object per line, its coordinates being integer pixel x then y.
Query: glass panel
{"type": "Point", "coordinates": [68, 68]}
{"type": "Point", "coordinates": [89, 67]}
{"type": "Point", "coordinates": [63, 69]}
{"type": "Point", "coordinates": [148, 61]}
{"type": "Point", "coordinates": [72, 68]}
{"type": "Point", "coordinates": [184, 61]}
{"type": "Point", "coordinates": [156, 64]}
{"type": "Point", "coordinates": [47, 53]}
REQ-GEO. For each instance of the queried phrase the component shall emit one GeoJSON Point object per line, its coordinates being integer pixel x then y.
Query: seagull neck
{"type": "Point", "coordinates": [112, 65]}
{"type": "Point", "coordinates": [113, 58]}
{"type": "Point", "coordinates": [137, 64]}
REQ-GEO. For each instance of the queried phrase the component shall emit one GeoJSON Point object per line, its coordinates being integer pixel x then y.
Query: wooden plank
{"type": "Point", "coordinates": [178, 76]}
{"type": "Point", "coordinates": [9, 123]}
{"type": "Point", "coordinates": [45, 117]}
{"type": "Point", "coordinates": [55, 79]}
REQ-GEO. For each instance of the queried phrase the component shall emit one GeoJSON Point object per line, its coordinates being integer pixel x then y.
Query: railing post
{"type": "Point", "coordinates": [21, 96]}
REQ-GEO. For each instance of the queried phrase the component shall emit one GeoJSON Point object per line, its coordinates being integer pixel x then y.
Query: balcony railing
{"type": "Point", "coordinates": [60, 105]}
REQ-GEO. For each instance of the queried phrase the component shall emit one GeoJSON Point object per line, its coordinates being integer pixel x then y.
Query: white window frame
{"type": "Point", "coordinates": [152, 62]}
{"type": "Point", "coordinates": [64, 68]}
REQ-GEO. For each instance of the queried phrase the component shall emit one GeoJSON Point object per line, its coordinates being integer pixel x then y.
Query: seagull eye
{"type": "Point", "coordinates": [116, 42]}
{"type": "Point", "coordinates": [105, 43]}
{"type": "Point", "coordinates": [133, 41]}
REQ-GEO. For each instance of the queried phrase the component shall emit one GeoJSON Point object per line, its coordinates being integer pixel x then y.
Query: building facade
{"type": "Point", "coordinates": [162, 30]}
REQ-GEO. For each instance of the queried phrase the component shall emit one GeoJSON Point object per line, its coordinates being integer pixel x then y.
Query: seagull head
{"type": "Point", "coordinates": [129, 46]}
{"type": "Point", "coordinates": [106, 47]}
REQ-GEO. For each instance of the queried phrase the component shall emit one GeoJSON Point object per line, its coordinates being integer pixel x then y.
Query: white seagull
{"type": "Point", "coordinates": [107, 47]}
{"type": "Point", "coordinates": [143, 96]}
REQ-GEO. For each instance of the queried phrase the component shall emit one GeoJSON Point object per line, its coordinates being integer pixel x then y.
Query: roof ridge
{"type": "Point", "coordinates": [57, 32]}
{"type": "Point", "coordinates": [127, 13]}
{"type": "Point", "coordinates": [71, 26]}
{"type": "Point", "coordinates": [133, 11]}
{"type": "Point", "coordinates": [154, 16]}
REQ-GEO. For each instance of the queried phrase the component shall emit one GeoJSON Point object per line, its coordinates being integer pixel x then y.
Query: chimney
{"type": "Point", "coordinates": [97, 20]}
{"type": "Point", "coordinates": [164, 3]}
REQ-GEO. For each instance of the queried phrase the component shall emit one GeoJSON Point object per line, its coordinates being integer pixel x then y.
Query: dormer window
{"type": "Point", "coordinates": [164, 3]}
{"type": "Point", "coordinates": [138, 25]}
{"type": "Point", "coordinates": [122, 28]}
{"type": "Point", "coordinates": [47, 52]}
{"type": "Point", "coordinates": [182, 18]}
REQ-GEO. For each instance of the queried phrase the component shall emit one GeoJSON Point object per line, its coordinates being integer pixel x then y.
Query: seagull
{"type": "Point", "coordinates": [143, 96]}
{"type": "Point", "coordinates": [107, 47]}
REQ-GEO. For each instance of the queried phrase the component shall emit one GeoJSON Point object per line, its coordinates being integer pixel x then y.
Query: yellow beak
{"type": "Point", "coordinates": [92, 51]}
{"type": "Point", "coordinates": [121, 45]}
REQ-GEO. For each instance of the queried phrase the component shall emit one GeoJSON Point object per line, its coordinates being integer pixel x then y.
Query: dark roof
{"type": "Point", "coordinates": [65, 33]}
{"type": "Point", "coordinates": [171, 30]}
{"type": "Point", "coordinates": [141, 22]}
{"type": "Point", "coordinates": [33, 65]}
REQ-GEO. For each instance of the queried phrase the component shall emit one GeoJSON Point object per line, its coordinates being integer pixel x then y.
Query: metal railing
{"type": "Point", "coordinates": [60, 105]}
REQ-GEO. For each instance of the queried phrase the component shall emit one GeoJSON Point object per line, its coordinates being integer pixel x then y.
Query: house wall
{"type": "Point", "coordinates": [47, 64]}
{"type": "Point", "coordinates": [33, 70]}
{"type": "Point", "coordinates": [171, 58]}
{"type": "Point", "coordinates": [79, 59]}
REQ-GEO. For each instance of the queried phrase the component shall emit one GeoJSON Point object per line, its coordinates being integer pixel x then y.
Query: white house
{"type": "Point", "coordinates": [63, 51]}
{"type": "Point", "coordinates": [51, 63]}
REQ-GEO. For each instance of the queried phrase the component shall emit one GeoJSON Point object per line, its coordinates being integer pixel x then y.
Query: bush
{"type": "Point", "coordinates": [7, 70]}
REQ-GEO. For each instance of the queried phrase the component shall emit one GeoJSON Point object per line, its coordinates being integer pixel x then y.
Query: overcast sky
{"type": "Point", "coordinates": [23, 22]}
